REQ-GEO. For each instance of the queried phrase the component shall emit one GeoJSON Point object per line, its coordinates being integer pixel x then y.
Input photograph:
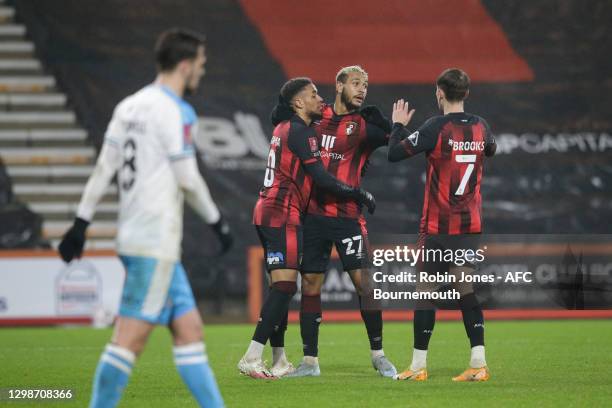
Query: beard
{"type": "Point", "coordinates": [189, 88]}
{"type": "Point", "coordinates": [350, 106]}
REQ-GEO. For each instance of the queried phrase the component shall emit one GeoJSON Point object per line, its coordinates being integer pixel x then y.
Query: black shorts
{"type": "Point", "coordinates": [349, 235]}
{"type": "Point", "coordinates": [282, 246]}
{"type": "Point", "coordinates": [464, 259]}
{"type": "Point", "coordinates": [463, 247]}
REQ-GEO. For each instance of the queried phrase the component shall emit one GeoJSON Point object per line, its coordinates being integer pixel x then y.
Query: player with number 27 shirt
{"type": "Point", "coordinates": [294, 165]}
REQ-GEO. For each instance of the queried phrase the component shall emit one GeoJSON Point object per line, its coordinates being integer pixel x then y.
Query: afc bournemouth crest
{"type": "Point", "coordinates": [352, 128]}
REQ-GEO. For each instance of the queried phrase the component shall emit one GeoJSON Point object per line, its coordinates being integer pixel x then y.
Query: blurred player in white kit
{"type": "Point", "coordinates": [149, 144]}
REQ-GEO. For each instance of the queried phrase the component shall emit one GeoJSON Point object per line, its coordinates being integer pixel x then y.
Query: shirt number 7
{"type": "Point", "coordinates": [465, 158]}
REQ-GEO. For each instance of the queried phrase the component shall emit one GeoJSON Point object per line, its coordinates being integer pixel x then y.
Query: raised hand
{"type": "Point", "coordinates": [401, 112]}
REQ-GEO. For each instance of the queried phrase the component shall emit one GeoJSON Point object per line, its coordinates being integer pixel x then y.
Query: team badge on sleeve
{"type": "Point", "coordinates": [187, 135]}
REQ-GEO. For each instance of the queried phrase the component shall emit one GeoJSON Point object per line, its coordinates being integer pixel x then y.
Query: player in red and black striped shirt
{"type": "Point", "coordinates": [294, 165]}
{"type": "Point", "coordinates": [347, 135]}
{"type": "Point", "coordinates": [456, 145]}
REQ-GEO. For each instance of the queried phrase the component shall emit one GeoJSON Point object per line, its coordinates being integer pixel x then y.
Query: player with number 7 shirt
{"type": "Point", "coordinates": [456, 144]}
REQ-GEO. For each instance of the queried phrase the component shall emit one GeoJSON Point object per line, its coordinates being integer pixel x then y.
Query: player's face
{"type": "Point", "coordinates": [353, 91]}
{"type": "Point", "coordinates": [195, 71]}
{"type": "Point", "coordinates": [310, 101]}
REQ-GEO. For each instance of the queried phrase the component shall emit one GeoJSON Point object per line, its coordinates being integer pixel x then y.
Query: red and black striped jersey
{"type": "Point", "coordinates": [455, 145]}
{"type": "Point", "coordinates": [346, 141]}
{"type": "Point", "coordinates": [287, 186]}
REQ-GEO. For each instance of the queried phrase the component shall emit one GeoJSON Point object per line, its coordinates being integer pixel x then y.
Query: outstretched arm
{"type": "Point", "coordinates": [402, 144]}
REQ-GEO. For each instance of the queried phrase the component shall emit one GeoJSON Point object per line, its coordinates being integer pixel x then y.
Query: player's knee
{"type": "Point", "coordinates": [311, 284]}
{"type": "Point", "coordinates": [363, 290]}
{"type": "Point", "coordinates": [135, 345]}
{"type": "Point", "coordinates": [288, 287]}
{"type": "Point", "coordinates": [187, 328]}
{"type": "Point", "coordinates": [188, 334]}
{"type": "Point", "coordinates": [364, 285]}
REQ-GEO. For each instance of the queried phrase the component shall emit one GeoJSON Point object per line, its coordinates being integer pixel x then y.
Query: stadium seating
{"type": "Point", "coordinates": [45, 149]}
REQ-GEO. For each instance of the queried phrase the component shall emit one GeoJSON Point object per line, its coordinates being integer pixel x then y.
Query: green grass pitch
{"type": "Point", "coordinates": [535, 363]}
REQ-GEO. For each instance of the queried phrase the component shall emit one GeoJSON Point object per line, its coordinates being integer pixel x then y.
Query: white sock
{"type": "Point", "coordinates": [278, 355]}
{"type": "Point", "coordinates": [419, 359]}
{"type": "Point", "coordinates": [310, 360]}
{"type": "Point", "coordinates": [377, 353]}
{"type": "Point", "coordinates": [477, 359]}
{"type": "Point", "coordinates": [254, 351]}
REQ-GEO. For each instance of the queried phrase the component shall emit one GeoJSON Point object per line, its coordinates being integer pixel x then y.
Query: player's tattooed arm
{"type": "Point", "coordinates": [303, 142]}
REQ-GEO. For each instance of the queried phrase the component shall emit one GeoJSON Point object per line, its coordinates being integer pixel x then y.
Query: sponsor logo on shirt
{"type": "Point", "coordinates": [327, 141]}
{"type": "Point", "coordinates": [332, 155]}
{"type": "Point", "coordinates": [275, 258]}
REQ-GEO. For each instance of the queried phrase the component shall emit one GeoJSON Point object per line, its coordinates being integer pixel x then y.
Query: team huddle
{"type": "Point", "coordinates": [311, 200]}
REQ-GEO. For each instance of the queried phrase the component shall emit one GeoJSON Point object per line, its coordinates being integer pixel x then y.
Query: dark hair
{"type": "Point", "coordinates": [455, 83]}
{"type": "Point", "coordinates": [284, 109]}
{"type": "Point", "coordinates": [175, 45]}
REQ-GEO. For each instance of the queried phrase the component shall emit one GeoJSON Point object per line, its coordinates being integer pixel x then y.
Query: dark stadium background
{"type": "Point", "coordinates": [100, 52]}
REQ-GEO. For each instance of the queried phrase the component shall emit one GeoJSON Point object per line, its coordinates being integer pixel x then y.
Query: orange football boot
{"type": "Point", "coordinates": [408, 374]}
{"type": "Point", "coordinates": [473, 374]}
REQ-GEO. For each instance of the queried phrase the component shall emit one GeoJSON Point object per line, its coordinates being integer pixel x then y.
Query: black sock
{"type": "Point", "coordinates": [473, 319]}
{"type": "Point", "coordinates": [277, 339]}
{"type": "Point", "coordinates": [374, 325]}
{"type": "Point", "coordinates": [423, 325]}
{"type": "Point", "coordinates": [310, 318]}
{"type": "Point", "coordinates": [274, 309]}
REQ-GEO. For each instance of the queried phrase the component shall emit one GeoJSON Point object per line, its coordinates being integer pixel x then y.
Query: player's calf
{"type": "Point", "coordinates": [371, 314]}
{"type": "Point", "coordinates": [192, 364]}
{"type": "Point", "coordinates": [112, 375]}
{"type": "Point", "coordinates": [191, 359]}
